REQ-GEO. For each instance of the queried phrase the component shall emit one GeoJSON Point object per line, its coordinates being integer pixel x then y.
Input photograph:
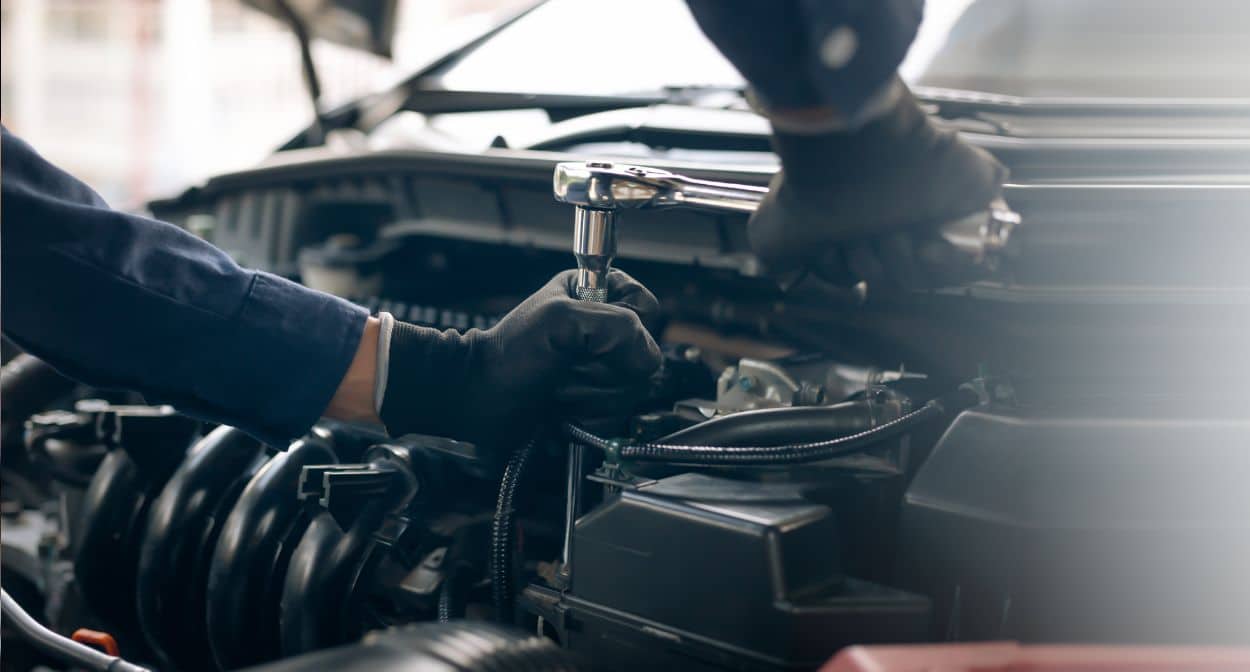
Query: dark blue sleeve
{"type": "Point", "coordinates": [854, 47]}
{"type": "Point", "coordinates": [116, 300]}
{"type": "Point", "coordinates": [807, 53]}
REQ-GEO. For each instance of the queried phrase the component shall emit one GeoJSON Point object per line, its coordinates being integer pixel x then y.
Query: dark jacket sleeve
{"type": "Point", "coordinates": [117, 300]}
{"type": "Point", "coordinates": [808, 53]}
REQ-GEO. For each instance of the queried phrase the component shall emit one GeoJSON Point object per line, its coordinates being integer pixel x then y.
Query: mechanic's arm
{"type": "Point", "coordinates": [116, 300]}
{"type": "Point", "coordinates": [866, 176]}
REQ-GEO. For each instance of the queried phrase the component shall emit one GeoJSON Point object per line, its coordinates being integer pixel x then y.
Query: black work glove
{"type": "Point", "coordinates": [552, 352]}
{"type": "Point", "coordinates": [868, 205]}
{"type": "Point", "coordinates": [867, 178]}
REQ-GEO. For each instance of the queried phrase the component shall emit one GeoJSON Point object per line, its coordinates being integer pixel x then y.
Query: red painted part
{"type": "Point", "coordinates": [1012, 657]}
{"type": "Point", "coordinates": [100, 640]}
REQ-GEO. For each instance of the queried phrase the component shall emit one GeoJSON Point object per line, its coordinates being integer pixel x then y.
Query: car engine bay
{"type": "Point", "coordinates": [1054, 452]}
{"type": "Point", "coordinates": [810, 471]}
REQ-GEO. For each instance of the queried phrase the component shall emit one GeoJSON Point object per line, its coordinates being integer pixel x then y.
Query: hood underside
{"type": "Point", "coordinates": [368, 25]}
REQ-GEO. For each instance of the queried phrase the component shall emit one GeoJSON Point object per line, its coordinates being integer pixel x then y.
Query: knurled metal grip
{"type": "Point", "coordinates": [596, 294]}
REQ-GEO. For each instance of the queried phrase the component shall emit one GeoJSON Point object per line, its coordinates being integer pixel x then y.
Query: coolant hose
{"type": "Point", "coordinates": [57, 645]}
{"type": "Point", "coordinates": [794, 453]}
{"type": "Point", "coordinates": [502, 532]}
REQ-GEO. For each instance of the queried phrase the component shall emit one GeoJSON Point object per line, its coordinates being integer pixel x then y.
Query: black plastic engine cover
{"type": "Point", "coordinates": [700, 572]}
{"type": "Point", "coordinates": [1083, 527]}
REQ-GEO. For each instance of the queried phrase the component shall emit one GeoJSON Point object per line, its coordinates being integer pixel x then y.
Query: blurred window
{"type": "Point", "coordinates": [574, 46]}
{"type": "Point", "coordinates": [78, 21]}
{"type": "Point", "coordinates": [139, 98]}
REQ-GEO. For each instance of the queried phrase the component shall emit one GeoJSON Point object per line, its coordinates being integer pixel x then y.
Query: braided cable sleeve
{"type": "Point", "coordinates": [783, 454]}
{"type": "Point", "coordinates": [502, 532]}
{"type": "Point", "coordinates": [449, 606]}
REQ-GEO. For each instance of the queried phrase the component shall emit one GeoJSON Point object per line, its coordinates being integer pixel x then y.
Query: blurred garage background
{"type": "Point", "coordinates": [140, 97]}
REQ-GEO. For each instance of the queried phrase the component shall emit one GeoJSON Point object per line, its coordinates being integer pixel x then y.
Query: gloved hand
{"type": "Point", "coordinates": [867, 178]}
{"type": "Point", "coordinates": [867, 205]}
{"type": "Point", "coordinates": [493, 387]}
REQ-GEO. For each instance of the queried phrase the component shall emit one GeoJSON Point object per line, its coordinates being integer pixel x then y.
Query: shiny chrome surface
{"type": "Point", "coordinates": [594, 247]}
{"type": "Point", "coordinates": [983, 234]}
{"type": "Point", "coordinates": [597, 189]}
{"type": "Point", "coordinates": [608, 186]}
{"type": "Point", "coordinates": [572, 504]}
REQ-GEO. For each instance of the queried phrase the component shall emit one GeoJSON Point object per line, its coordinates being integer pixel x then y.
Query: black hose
{"type": "Point", "coordinates": [776, 426]}
{"type": "Point", "coordinates": [60, 646]}
{"type": "Point", "coordinates": [27, 385]}
{"type": "Point", "coordinates": [444, 600]}
{"type": "Point", "coordinates": [450, 604]}
{"type": "Point", "coordinates": [501, 533]}
{"type": "Point", "coordinates": [37, 449]}
{"type": "Point", "coordinates": [795, 453]}
{"type": "Point", "coordinates": [459, 646]}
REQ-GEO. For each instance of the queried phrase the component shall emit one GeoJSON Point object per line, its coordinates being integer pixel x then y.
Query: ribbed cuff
{"type": "Point", "coordinates": [383, 359]}
{"type": "Point", "coordinates": [424, 380]}
{"type": "Point", "coordinates": [877, 105]}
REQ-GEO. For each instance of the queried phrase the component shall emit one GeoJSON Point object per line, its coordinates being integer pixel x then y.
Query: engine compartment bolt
{"type": "Point", "coordinates": [809, 394]}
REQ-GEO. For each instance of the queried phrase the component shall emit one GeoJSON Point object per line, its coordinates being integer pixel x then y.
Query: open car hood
{"type": "Point", "coordinates": [368, 25]}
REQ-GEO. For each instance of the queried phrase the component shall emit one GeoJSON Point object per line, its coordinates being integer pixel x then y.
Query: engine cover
{"type": "Point", "coordinates": [1083, 526]}
{"type": "Point", "coordinates": [697, 570]}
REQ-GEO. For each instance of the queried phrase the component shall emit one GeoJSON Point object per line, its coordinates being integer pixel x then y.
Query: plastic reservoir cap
{"type": "Point", "coordinates": [1012, 657]}
{"type": "Point", "coordinates": [100, 640]}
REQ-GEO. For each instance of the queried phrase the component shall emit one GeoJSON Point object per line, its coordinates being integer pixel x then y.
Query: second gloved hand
{"type": "Point", "coordinates": [868, 204]}
{"type": "Point", "coordinates": [867, 179]}
{"type": "Point", "coordinates": [493, 387]}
